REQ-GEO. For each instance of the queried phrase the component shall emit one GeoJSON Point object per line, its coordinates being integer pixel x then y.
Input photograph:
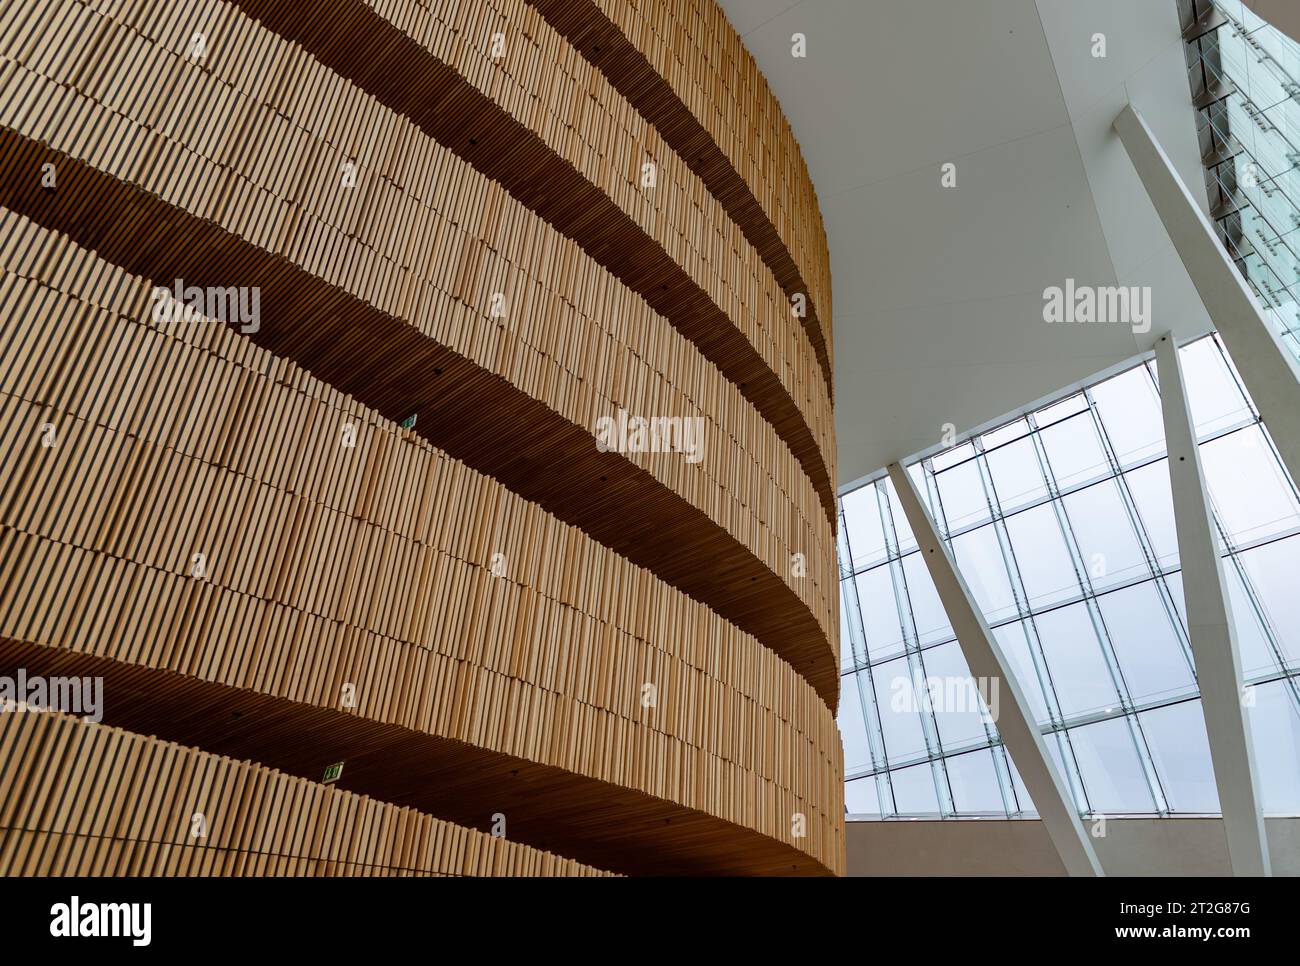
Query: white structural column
{"type": "Point", "coordinates": [1209, 623]}
{"type": "Point", "coordinates": [1015, 720]}
{"type": "Point", "coordinates": [1269, 370]}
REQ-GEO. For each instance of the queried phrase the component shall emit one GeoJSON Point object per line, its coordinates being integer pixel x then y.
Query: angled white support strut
{"type": "Point", "coordinates": [1270, 372]}
{"type": "Point", "coordinates": [1015, 719]}
{"type": "Point", "coordinates": [1209, 624]}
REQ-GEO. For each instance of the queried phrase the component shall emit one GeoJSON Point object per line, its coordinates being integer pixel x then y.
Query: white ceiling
{"type": "Point", "coordinates": [938, 292]}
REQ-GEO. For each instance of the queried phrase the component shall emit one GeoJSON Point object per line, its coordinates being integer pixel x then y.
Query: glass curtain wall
{"type": "Point", "coordinates": [1061, 522]}
{"type": "Point", "coordinates": [1249, 119]}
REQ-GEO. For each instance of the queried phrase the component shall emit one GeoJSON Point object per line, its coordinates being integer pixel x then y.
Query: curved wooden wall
{"type": "Point", "coordinates": [89, 799]}
{"type": "Point", "coordinates": [499, 594]}
{"type": "Point", "coordinates": [457, 344]}
{"type": "Point", "coordinates": [548, 127]}
{"type": "Point", "coordinates": [684, 67]}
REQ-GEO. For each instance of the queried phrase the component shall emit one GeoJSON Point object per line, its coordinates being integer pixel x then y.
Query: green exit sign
{"type": "Point", "coordinates": [333, 772]}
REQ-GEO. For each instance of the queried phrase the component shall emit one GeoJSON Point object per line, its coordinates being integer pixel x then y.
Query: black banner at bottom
{"type": "Point", "coordinates": [582, 917]}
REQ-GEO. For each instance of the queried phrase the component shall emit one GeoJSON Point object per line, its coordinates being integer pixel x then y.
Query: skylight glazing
{"type": "Point", "coordinates": [1061, 522]}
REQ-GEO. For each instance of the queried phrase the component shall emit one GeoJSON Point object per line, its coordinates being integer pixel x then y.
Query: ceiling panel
{"type": "Point", "coordinates": [939, 291]}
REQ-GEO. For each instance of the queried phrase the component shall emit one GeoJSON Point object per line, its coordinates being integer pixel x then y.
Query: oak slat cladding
{"type": "Point", "coordinates": [770, 507]}
{"type": "Point", "coordinates": [152, 798]}
{"type": "Point", "coordinates": [726, 740]}
{"type": "Point", "coordinates": [537, 314]}
{"type": "Point", "coordinates": [665, 91]}
{"type": "Point", "coordinates": [471, 412]}
{"type": "Point", "coordinates": [543, 142]}
{"type": "Point", "coordinates": [143, 482]}
{"type": "Point", "coordinates": [260, 563]}
{"type": "Point", "coordinates": [693, 46]}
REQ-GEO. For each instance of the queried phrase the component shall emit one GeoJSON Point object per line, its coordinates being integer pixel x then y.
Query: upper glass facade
{"type": "Point", "coordinates": [1061, 522]}
{"type": "Point", "coordinates": [1246, 76]}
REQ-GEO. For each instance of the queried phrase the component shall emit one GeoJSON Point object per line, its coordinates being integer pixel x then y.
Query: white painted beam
{"type": "Point", "coordinates": [1015, 721]}
{"type": "Point", "coordinates": [1209, 624]}
{"type": "Point", "coordinates": [1270, 371]}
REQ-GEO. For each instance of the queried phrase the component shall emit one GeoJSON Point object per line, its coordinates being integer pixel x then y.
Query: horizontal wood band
{"type": "Point", "coordinates": [91, 800]}
{"type": "Point", "coordinates": [563, 810]}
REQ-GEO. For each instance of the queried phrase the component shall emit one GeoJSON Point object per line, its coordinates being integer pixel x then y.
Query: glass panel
{"type": "Point", "coordinates": [961, 493]}
{"type": "Point", "coordinates": [862, 526]}
{"type": "Point", "coordinates": [848, 614]}
{"type": "Point", "coordinates": [1252, 642]}
{"type": "Point", "coordinates": [1104, 533]}
{"type": "Point", "coordinates": [879, 608]}
{"type": "Point", "coordinates": [1274, 572]}
{"type": "Point", "coordinates": [1005, 434]}
{"type": "Point", "coordinates": [1181, 752]}
{"type": "Point", "coordinates": [1110, 767]}
{"type": "Point", "coordinates": [979, 558]}
{"type": "Point", "coordinates": [1275, 738]}
{"type": "Point", "coordinates": [1061, 410]}
{"type": "Point", "coordinates": [1212, 393]}
{"type": "Point", "coordinates": [1174, 582]}
{"type": "Point", "coordinates": [1150, 656]}
{"type": "Point", "coordinates": [1059, 747]}
{"type": "Point", "coordinates": [974, 783]}
{"type": "Point", "coordinates": [899, 709]}
{"type": "Point", "coordinates": [1252, 497]}
{"type": "Point", "coordinates": [1074, 451]}
{"type": "Point", "coordinates": [951, 457]}
{"type": "Point", "coordinates": [1130, 412]}
{"type": "Point", "coordinates": [1023, 800]}
{"type": "Point", "coordinates": [906, 540]}
{"type": "Point", "coordinates": [917, 472]}
{"type": "Point", "coordinates": [1045, 565]}
{"type": "Point", "coordinates": [1149, 488]}
{"type": "Point", "coordinates": [1015, 646]}
{"type": "Point", "coordinates": [1079, 673]}
{"type": "Point", "coordinates": [927, 610]}
{"type": "Point", "coordinates": [853, 726]}
{"type": "Point", "coordinates": [1017, 476]}
{"type": "Point", "coordinates": [955, 697]}
{"type": "Point", "coordinates": [861, 797]}
{"type": "Point", "coordinates": [914, 790]}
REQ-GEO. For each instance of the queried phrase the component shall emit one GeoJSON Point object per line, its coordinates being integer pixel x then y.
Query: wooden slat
{"type": "Point", "coordinates": [780, 533]}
